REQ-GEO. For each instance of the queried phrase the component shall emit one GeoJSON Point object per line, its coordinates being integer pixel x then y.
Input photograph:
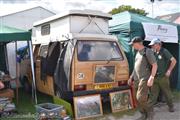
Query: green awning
{"type": "Point", "coordinates": [8, 34]}
{"type": "Point", "coordinates": [127, 25]}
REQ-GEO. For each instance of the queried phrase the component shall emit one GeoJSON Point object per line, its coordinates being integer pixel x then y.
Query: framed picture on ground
{"type": "Point", "coordinates": [121, 100]}
{"type": "Point", "coordinates": [87, 106]}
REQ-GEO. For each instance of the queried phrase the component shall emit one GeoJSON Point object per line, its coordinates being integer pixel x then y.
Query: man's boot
{"type": "Point", "coordinates": [143, 116]}
{"type": "Point", "coordinates": [150, 114]}
{"type": "Point", "coordinates": [171, 108]}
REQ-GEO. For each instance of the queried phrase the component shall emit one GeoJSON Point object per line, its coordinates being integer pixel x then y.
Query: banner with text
{"type": "Point", "coordinates": [166, 33]}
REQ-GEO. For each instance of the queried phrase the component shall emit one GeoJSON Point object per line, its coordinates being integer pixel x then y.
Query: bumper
{"type": "Point", "coordinates": [68, 96]}
{"type": "Point", "coordinates": [102, 92]}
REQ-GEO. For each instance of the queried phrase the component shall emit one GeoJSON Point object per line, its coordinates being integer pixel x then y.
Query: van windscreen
{"type": "Point", "coordinates": [98, 51]}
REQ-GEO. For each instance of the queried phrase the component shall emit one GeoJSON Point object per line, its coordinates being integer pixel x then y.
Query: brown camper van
{"type": "Point", "coordinates": [78, 63]}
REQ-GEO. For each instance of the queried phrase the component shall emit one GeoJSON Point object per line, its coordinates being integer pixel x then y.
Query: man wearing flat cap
{"type": "Point", "coordinates": [145, 68]}
{"type": "Point", "coordinates": [166, 62]}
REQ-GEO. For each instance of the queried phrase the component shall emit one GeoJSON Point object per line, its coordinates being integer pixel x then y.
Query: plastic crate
{"type": "Point", "coordinates": [48, 110]}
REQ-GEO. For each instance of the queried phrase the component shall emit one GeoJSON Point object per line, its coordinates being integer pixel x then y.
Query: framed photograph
{"type": "Point", "coordinates": [104, 74]}
{"type": "Point", "coordinates": [121, 100]}
{"type": "Point", "coordinates": [87, 106]}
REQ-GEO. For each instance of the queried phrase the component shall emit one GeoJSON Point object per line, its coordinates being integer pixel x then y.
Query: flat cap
{"type": "Point", "coordinates": [136, 40]}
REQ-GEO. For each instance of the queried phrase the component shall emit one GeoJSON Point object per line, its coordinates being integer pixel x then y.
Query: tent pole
{"type": "Point", "coordinates": [178, 82]}
{"type": "Point", "coordinates": [17, 94]}
{"type": "Point", "coordinates": [6, 57]}
{"type": "Point", "coordinates": [33, 71]}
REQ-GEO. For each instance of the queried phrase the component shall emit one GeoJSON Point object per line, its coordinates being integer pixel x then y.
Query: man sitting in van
{"type": "Point", "coordinates": [83, 55]}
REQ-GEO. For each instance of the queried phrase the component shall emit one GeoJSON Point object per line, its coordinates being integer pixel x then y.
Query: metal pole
{"type": "Point", "coordinates": [178, 82]}
{"type": "Point", "coordinates": [152, 8]}
{"type": "Point", "coordinates": [17, 76]}
{"type": "Point", "coordinates": [33, 71]}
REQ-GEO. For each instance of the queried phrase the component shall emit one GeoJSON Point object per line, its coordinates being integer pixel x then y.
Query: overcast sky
{"type": "Point", "coordinates": [160, 8]}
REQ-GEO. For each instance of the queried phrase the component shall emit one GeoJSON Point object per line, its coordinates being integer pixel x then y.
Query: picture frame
{"type": "Point", "coordinates": [87, 106]}
{"type": "Point", "coordinates": [121, 100]}
{"type": "Point", "coordinates": [104, 74]}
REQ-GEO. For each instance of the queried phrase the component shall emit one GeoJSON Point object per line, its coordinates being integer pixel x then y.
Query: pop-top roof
{"type": "Point", "coordinates": [75, 12]}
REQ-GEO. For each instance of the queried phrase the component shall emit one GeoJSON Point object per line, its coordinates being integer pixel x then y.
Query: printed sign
{"type": "Point", "coordinates": [166, 33]}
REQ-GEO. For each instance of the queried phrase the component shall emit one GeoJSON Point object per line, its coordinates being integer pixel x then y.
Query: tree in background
{"type": "Point", "coordinates": [123, 8]}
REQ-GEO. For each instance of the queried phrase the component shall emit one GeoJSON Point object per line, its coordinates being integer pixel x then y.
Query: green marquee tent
{"type": "Point", "coordinates": [10, 34]}
{"type": "Point", "coordinates": [127, 25]}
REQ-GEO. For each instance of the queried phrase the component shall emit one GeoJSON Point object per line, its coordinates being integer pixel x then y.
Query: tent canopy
{"type": "Point", "coordinates": [8, 34]}
{"type": "Point", "coordinates": [127, 22]}
{"type": "Point", "coordinates": [127, 25]}
{"type": "Point", "coordinates": [128, 19]}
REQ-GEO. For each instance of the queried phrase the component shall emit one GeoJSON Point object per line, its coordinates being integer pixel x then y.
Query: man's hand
{"type": "Point", "coordinates": [168, 73]}
{"type": "Point", "coordinates": [171, 67]}
{"type": "Point", "coordinates": [130, 81]}
{"type": "Point", "coordinates": [150, 81]}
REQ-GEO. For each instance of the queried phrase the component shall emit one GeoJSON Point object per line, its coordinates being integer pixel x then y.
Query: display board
{"type": "Point", "coordinates": [166, 33]}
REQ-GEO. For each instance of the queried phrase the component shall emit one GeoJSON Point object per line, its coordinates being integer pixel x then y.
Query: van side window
{"type": "Point", "coordinates": [45, 29]}
{"type": "Point", "coordinates": [43, 52]}
{"type": "Point", "coordinates": [52, 57]}
{"type": "Point", "coordinates": [36, 50]}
